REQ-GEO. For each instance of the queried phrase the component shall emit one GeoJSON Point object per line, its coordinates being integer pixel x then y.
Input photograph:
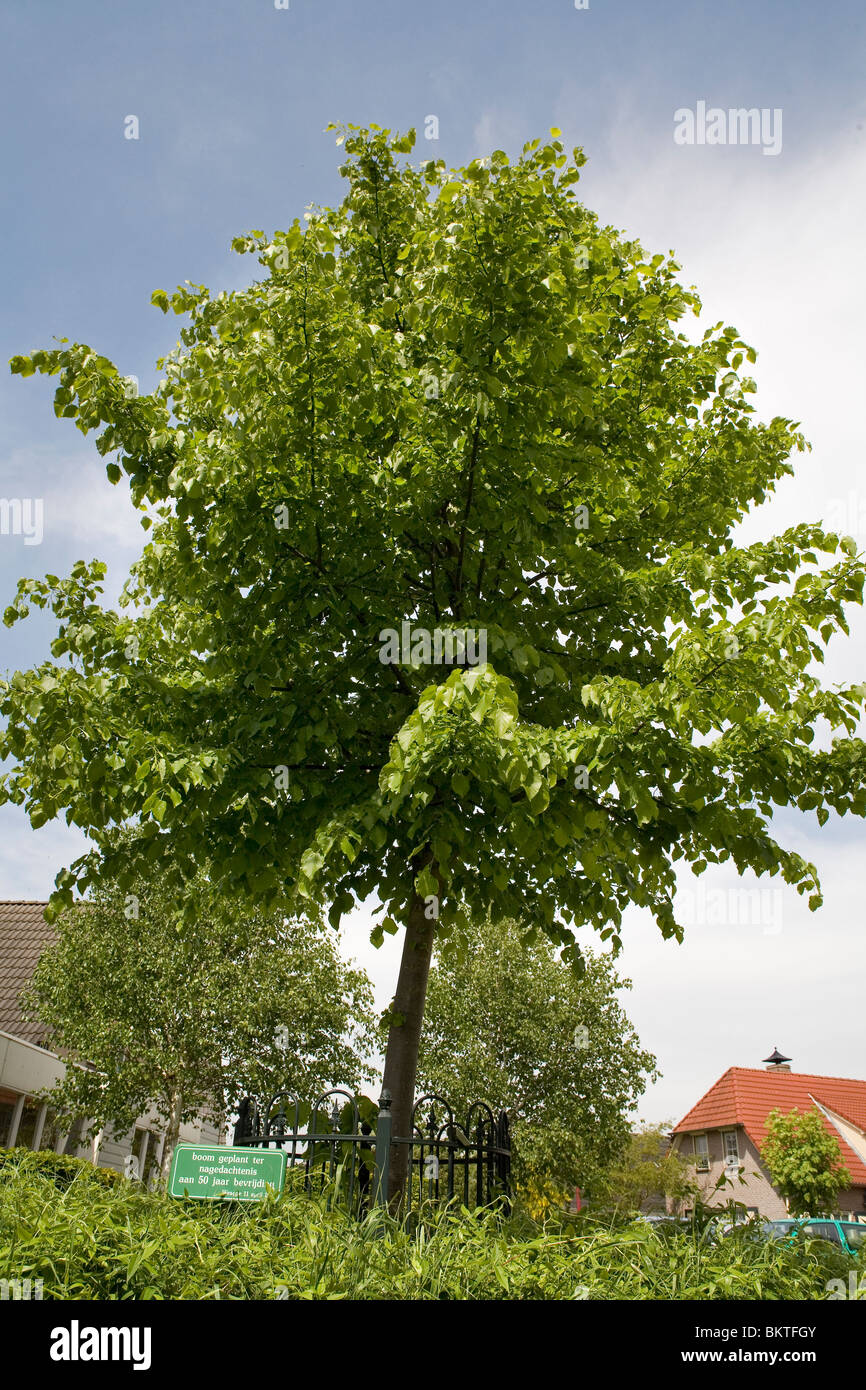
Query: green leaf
{"type": "Point", "coordinates": [425, 884]}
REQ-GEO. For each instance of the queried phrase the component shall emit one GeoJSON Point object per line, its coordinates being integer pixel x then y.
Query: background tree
{"type": "Point", "coordinates": [189, 1014]}
{"type": "Point", "coordinates": [453, 401]}
{"type": "Point", "coordinates": [509, 1023]}
{"type": "Point", "coordinates": [648, 1170]}
{"type": "Point", "coordinates": [804, 1162]}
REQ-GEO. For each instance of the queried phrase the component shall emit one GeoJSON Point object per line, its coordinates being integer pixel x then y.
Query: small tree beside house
{"type": "Point", "coordinates": [804, 1161]}
{"type": "Point", "coordinates": [508, 1021]}
{"type": "Point", "coordinates": [650, 1173]}
{"type": "Point", "coordinates": [185, 1014]}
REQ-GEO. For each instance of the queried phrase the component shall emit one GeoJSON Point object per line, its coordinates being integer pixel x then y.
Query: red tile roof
{"type": "Point", "coordinates": [745, 1096]}
{"type": "Point", "coordinates": [23, 935]}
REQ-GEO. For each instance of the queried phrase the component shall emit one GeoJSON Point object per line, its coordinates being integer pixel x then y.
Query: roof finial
{"type": "Point", "coordinates": [777, 1062]}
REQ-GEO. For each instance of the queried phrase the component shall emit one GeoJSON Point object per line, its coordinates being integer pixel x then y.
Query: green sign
{"type": "Point", "coordinates": [204, 1170]}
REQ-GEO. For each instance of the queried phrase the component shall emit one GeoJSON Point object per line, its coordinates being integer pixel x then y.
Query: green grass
{"type": "Point", "coordinates": [88, 1238]}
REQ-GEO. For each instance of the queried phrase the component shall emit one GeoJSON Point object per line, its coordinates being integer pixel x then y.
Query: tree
{"type": "Point", "coordinates": [152, 1008]}
{"type": "Point", "coordinates": [804, 1161]}
{"type": "Point", "coordinates": [508, 1023]}
{"type": "Point", "coordinates": [454, 411]}
{"type": "Point", "coordinates": [648, 1170]}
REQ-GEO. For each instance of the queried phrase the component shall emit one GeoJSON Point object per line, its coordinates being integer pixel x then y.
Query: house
{"type": "Point", "coordinates": [27, 1066]}
{"type": "Point", "coordinates": [725, 1131]}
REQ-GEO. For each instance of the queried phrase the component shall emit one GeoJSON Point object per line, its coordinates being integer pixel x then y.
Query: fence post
{"type": "Point", "coordinates": [243, 1126]}
{"type": "Point", "coordinates": [383, 1148]}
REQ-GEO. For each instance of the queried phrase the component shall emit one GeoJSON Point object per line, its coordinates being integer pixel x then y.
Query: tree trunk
{"type": "Point", "coordinates": [404, 1034]}
{"type": "Point", "coordinates": [171, 1134]}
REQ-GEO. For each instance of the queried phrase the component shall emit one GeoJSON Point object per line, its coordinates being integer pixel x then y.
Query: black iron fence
{"type": "Point", "coordinates": [343, 1145]}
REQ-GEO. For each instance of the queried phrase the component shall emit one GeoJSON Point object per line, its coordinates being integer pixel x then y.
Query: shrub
{"type": "Point", "coordinates": [99, 1238]}
{"type": "Point", "coordinates": [62, 1169]}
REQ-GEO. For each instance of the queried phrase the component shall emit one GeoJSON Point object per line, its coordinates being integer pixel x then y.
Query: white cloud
{"type": "Point", "coordinates": [777, 253]}
{"type": "Point", "coordinates": [499, 129]}
{"type": "Point", "coordinates": [31, 859]}
{"type": "Point", "coordinates": [81, 506]}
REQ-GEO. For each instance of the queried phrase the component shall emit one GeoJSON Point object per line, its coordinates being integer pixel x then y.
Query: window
{"type": "Point", "coordinates": [778, 1229]}
{"type": "Point", "coordinates": [27, 1124]}
{"type": "Point", "coordinates": [8, 1101]}
{"type": "Point", "coordinates": [822, 1230]}
{"type": "Point", "coordinates": [52, 1130]}
{"type": "Point", "coordinates": [145, 1147]}
{"type": "Point", "coordinates": [731, 1151]}
{"type": "Point", "coordinates": [138, 1150]}
{"type": "Point", "coordinates": [855, 1234]}
{"type": "Point", "coordinates": [702, 1153]}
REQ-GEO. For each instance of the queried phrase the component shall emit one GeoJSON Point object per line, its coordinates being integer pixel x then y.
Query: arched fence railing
{"type": "Point", "coordinates": [343, 1145]}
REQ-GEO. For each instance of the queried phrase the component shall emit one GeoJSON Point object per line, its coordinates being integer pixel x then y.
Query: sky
{"type": "Point", "coordinates": [231, 99]}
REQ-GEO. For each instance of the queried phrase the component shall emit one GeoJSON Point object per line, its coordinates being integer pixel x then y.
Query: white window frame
{"type": "Point", "coordinates": [732, 1161]}
{"type": "Point", "coordinates": [702, 1156]}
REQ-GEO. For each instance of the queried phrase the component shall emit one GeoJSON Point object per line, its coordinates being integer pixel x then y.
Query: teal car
{"type": "Point", "coordinates": [849, 1236]}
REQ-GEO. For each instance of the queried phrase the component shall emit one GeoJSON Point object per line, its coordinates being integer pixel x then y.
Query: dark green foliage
{"type": "Point", "coordinates": [110, 1241]}
{"type": "Point", "coordinates": [509, 1023]}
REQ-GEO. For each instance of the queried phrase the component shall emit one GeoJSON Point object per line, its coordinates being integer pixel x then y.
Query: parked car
{"type": "Point", "coordinates": [849, 1236]}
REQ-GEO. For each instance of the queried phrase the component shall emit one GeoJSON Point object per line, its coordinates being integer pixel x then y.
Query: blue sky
{"type": "Point", "coordinates": [232, 97]}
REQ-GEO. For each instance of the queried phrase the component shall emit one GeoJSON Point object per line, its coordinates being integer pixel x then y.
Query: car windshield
{"type": "Point", "coordinates": [855, 1234]}
{"type": "Point", "coordinates": [778, 1228]}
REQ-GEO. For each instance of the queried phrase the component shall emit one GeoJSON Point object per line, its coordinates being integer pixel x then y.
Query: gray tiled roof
{"type": "Point", "coordinates": [23, 935]}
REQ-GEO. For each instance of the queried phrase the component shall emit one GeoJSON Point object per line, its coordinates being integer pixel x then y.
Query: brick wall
{"type": "Point", "coordinates": [752, 1187]}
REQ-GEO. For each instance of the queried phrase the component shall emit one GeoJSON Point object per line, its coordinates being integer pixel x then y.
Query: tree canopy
{"type": "Point", "coordinates": [456, 401]}
{"type": "Point", "coordinates": [154, 1008]}
{"type": "Point", "coordinates": [804, 1161]}
{"type": "Point", "coordinates": [649, 1170]}
{"type": "Point", "coordinates": [512, 1025]}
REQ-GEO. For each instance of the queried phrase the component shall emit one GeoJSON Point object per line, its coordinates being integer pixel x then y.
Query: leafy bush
{"type": "Point", "coordinates": [98, 1240]}
{"type": "Point", "coordinates": [59, 1167]}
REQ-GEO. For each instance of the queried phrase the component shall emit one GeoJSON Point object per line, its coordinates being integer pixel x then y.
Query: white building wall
{"type": "Point", "coordinates": [26, 1068]}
